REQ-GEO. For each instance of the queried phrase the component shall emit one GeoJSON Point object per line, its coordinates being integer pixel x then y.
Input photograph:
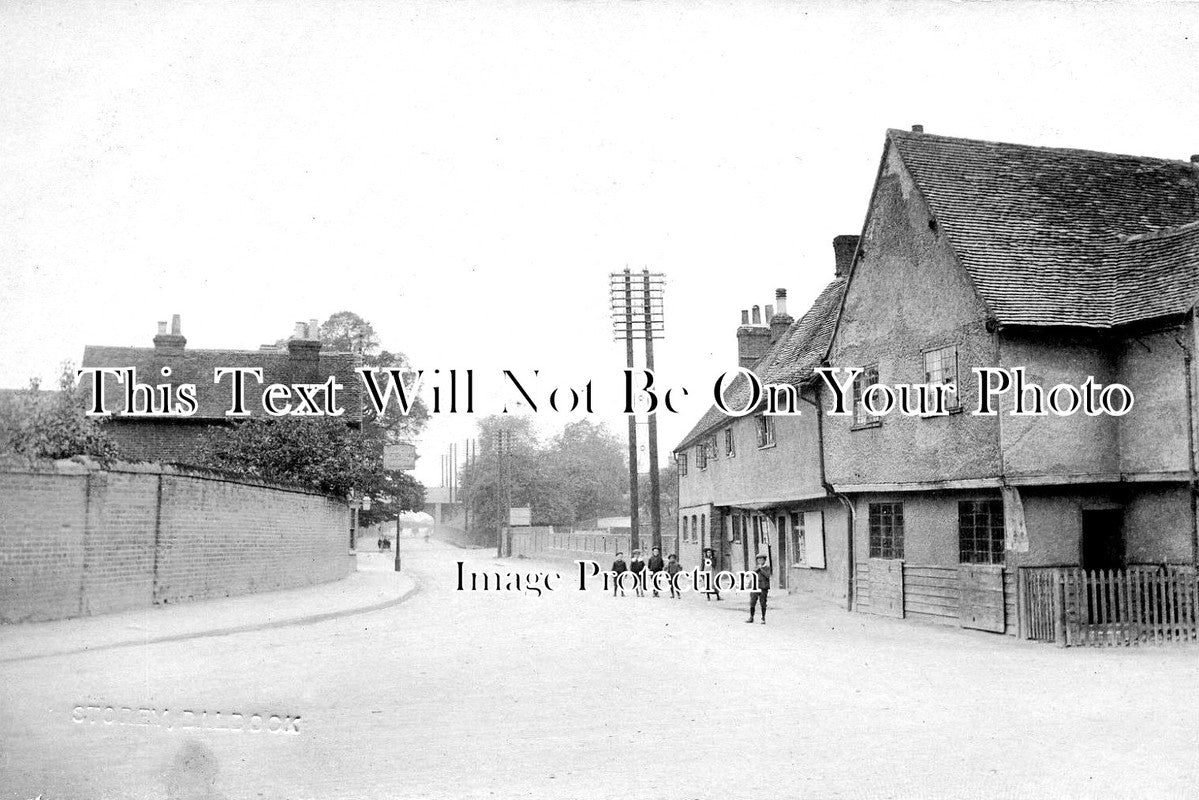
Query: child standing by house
{"type": "Point", "coordinates": [763, 588]}
{"type": "Point", "coordinates": [618, 569]}
{"type": "Point", "coordinates": [672, 569]}
{"type": "Point", "coordinates": [709, 564]}
{"type": "Point", "coordinates": [638, 570]}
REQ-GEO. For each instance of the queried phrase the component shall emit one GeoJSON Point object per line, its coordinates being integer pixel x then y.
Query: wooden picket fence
{"type": "Point", "coordinates": [1106, 608]}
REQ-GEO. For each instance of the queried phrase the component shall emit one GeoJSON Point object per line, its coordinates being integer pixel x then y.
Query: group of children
{"type": "Point", "coordinates": [671, 567]}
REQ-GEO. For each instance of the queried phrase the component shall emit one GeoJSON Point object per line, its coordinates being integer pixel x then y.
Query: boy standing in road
{"type": "Point", "coordinates": [618, 569]}
{"type": "Point", "coordinates": [655, 566]}
{"type": "Point", "coordinates": [762, 590]}
{"type": "Point", "coordinates": [637, 567]}
{"type": "Point", "coordinates": [672, 569]}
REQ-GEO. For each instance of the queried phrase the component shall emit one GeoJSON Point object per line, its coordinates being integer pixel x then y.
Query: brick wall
{"type": "Point", "coordinates": [77, 540]}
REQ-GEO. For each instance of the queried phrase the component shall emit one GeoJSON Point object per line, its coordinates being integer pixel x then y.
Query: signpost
{"type": "Point", "coordinates": [398, 457]}
{"type": "Point", "coordinates": [520, 517]}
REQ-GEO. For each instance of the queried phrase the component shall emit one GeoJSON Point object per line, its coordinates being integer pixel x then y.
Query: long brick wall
{"type": "Point", "coordinates": [77, 540]}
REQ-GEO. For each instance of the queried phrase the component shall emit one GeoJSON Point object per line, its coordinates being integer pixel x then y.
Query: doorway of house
{"type": "Point", "coordinates": [1102, 538]}
{"type": "Point", "coordinates": [779, 562]}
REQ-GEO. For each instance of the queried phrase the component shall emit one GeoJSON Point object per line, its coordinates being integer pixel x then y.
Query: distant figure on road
{"type": "Point", "coordinates": [618, 569]}
{"type": "Point", "coordinates": [638, 569]}
{"type": "Point", "coordinates": [672, 569]}
{"type": "Point", "coordinates": [655, 566]}
{"type": "Point", "coordinates": [763, 589]}
{"type": "Point", "coordinates": [709, 565]}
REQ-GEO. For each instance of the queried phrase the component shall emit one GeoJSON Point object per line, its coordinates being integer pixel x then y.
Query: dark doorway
{"type": "Point", "coordinates": [1102, 539]}
{"type": "Point", "coordinates": [780, 565]}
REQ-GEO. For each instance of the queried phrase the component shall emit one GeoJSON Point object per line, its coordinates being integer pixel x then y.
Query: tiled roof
{"type": "Point", "coordinates": [1041, 230]}
{"type": "Point", "coordinates": [196, 366]}
{"type": "Point", "coordinates": [790, 360]}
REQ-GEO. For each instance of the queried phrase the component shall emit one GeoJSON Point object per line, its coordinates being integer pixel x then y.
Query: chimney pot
{"type": "Point", "coordinates": [300, 331]}
{"type": "Point", "coordinates": [314, 329]}
{"type": "Point", "coordinates": [780, 302]}
{"type": "Point", "coordinates": [756, 315]}
{"type": "Point", "coordinates": [162, 327]}
{"type": "Point", "coordinates": [769, 314]}
{"type": "Point", "coordinates": [917, 129]}
{"type": "Point", "coordinates": [744, 316]}
{"type": "Point", "coordinates": [176, 326]}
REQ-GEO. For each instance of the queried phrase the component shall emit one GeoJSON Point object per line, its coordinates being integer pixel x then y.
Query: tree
{"type": "Point", "coordinates": [41, 424]}
{"type": "Point", "coordinates": [321, 453]}
{"type": "Point", "coordinates": [576, 476]}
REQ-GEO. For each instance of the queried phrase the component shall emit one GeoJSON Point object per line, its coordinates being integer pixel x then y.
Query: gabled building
{"type": "Point", "coordinates": [1070, 264]}
{"type": "Point", "coordinates": [171, 363]}
{"type": "Point", "coordinates": [756, 484]}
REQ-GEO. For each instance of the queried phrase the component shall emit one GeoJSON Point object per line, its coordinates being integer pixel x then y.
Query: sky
{"type": "Point", "coordinates": [465, 175]}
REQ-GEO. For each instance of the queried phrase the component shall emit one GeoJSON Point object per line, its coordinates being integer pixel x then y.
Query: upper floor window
{"type": "Point", "coordinates": [765, 430]}
{"type": "Point", "coordinates": [941, 367]}
{"type": "Point", "coordinates": [886, 530]}
{"type": "Point", "coordinates": [701, 455]}
{"type": "Point", "coordinates": [730, 447]}
{"type": "Point", "coordinates": [712, 448]}
{"type": "Point", "coordinates": [980, 531]}
{"type": "Point", "coordinates": [868, 376]}
{"type": "Point", "coordinates": [682, 461]}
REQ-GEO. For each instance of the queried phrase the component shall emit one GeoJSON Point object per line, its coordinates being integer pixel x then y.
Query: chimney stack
{"type": "Point", "coordinates": [304, 353]}
{"type": "Point", "coordinates": [171, 343]}
{"type": "Point", "coordinates": [753, 338]}
{"type": "Point", "coordinates": [1195, 165]}
{"type": "Point", "coordinates": [781, 321]}
{"type": "Point", "coordinates": [844, 248]}
{"type": "Point", "coordinates": [917, 129]}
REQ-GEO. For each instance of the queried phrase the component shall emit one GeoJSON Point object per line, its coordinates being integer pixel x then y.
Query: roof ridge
{"type": "Point", "coordinates": [1072, 150]}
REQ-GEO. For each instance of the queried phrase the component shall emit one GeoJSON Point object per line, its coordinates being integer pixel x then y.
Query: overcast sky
{"type": "Point", "coordinates": [465, 175]}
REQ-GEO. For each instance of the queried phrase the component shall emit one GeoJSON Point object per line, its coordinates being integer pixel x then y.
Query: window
{"type": "Point", "coordinates": [738, 522]}
{"type": "Point", "coordinates": [886, 530]}
{"type": "Point", "coordinates": [765, 430]}
{"type": "Point", "coordinates": [980, 531]}
{"type": "Point", "coordinates": [701, 455]}
{"type": "Point", "coordinates": [712, 449]}
{"type": "Point", "coordinates": [730, 448]}
{"type": "Point", "coordinates": [694, 528]}
{"type": "Point", "coordinates": [703, 528]}
{"type": "Point", "coordinates": [799, 548]}
{"type": "Point", "coordinates": [941, 367]}
{"type": "Point", "coordinates": [865, 378]}
{"type": "Point", "coordinates": [682, 464]}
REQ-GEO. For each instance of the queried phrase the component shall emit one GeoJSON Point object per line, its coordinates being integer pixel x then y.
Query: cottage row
{"type": "Point", "coordinates": [1071, 264]}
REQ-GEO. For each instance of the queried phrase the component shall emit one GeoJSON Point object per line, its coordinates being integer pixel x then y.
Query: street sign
{"type": "Point", "coordinates": [399, 456]}
{"type": "Point", "coordinates": [518, 517]}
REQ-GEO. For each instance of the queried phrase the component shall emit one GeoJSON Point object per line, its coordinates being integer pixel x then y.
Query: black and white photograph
{"type": "Point", "coordinates": [672, 399]}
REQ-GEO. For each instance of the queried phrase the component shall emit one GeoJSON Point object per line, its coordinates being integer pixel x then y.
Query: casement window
{"type": "Point", "coordinates": [730, 448]}
{"type": "Point", "coordinates": [765, 430]}
{"type": "Point", "coordinates": [701, 455]}
{"type": "Point", "coordinates": [868, 376]}
{"type": "Point", "coordinates": [799, 545]}
{"type": "Point", "coordinates": [886, 530]}
{"type": "Point", "coordinates": [682, 461]}
{"type": "Point", "coordinates": [980, 531]}
{"type": "Point", "coordinates": [941, 367]}
{"type": "Point", "coordinates": [712, 449]}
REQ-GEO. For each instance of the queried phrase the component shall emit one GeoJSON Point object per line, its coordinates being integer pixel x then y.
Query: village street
{"type": "Point", "coordinates": [577, 694]}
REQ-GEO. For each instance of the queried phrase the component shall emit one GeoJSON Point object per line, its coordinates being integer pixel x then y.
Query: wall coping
{"type": "Point", "coordinates": [86, 465]}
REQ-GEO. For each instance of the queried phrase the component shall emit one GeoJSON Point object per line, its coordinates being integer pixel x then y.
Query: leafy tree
{"type": "Point", "coordinates": [47, 424]}
{"type": "Point", "coordinates": [321, 453]}
{"type": "Point", "coordinates": [577, 475]}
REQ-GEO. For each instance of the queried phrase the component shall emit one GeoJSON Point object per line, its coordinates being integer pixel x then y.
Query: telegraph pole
{"type": "Point", "coordinates": [655, 493]}
{"type": "Point", "coordinates": [637, 314]}
{"type": "Point", "coordinates": [634, 489]}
